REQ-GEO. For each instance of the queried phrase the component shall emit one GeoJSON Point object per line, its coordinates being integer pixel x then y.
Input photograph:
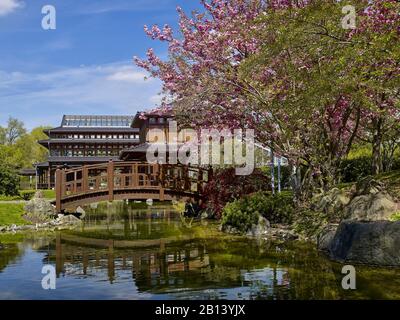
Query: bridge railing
{"type": "Point", "coordinates": [112, 177]}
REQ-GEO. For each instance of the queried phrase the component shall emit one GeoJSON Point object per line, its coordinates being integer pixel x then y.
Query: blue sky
{"type": "Point", "coordinates": [85, 65]}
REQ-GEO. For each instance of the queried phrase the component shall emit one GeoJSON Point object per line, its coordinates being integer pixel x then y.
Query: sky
{"type": "Point", "coordinates": [85, 65]}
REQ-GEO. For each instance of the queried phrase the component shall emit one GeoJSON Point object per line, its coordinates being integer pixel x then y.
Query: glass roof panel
{"type": "Point", "coordinates": [97, 121]}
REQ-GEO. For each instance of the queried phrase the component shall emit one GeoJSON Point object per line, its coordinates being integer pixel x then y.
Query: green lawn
{"type": "Point", "coordinates": [48, 194]}
{"type": "Point", "coordinates": [11, 213]}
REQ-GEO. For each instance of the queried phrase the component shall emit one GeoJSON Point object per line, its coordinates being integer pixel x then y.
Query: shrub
{"type": "Point", "coordinates": [9, 181]}
{"type": "Point", "coordinates": [276, 209]}
{"type": "Point", "coordinates": [27, 194]}
{"type": "Point", "coordinates": [352, 170]}
{"type": "Point", "coordinates": [226, 186]}
{"type": "Point", "coordinates": [242, 213]}
{"type": "Point", "coordinates": [395, 217]}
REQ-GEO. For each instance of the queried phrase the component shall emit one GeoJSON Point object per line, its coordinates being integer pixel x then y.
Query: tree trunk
{"type": "Point", "coordinates": [377, 165]}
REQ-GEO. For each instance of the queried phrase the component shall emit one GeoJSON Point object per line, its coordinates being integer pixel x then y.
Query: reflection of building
{"type": "Point", "coordinates": [150, 267]}
{"type": "Point", "coordinates": [83, 140]}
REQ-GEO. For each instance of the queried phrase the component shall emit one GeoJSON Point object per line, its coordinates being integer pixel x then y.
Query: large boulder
{"type": "Point", "coordinates": [375, 206]}
{"type": "Point", "coordinates": [39, 209]}
{"type": "Point", "coordinates": [326, 237]}
{"type": "Point", "coordinates": [371, 243]}
{"type": "Point", "coordinates": [332, 202]}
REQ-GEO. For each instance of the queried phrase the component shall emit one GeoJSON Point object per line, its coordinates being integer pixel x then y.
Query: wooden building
{"type": "Point", "coordinates": [83, 140]}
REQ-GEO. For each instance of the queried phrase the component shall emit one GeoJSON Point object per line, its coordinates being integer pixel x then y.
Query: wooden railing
{"type": "Point", "coordinates": [127, 179]}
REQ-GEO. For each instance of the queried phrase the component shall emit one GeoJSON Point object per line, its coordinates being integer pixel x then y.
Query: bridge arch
{"type": "Point", "coordinates": [128, 181]}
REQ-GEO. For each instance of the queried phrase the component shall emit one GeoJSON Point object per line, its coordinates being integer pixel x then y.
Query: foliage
{"type": "Point", "coordinates": [310, 223]}
{"type": "Point", "coordinates": [243, 213]}
{"type": "Point", "coordinates": [14, 130]}
{"type": "Point", "coordinates": [285, 175]}
{"type": "Point", "coordinates": [226, 186]}
{"type": "Point", "coordinates": [289, 69]}
{"type": "Point", "coordinates": [21, 149]}
{"type": "Point", "coordinates": [395, 217]}
{"type": "Point", "coordinates": [9, 181]}
{"type": "Point", "coordinates": [353, 170]}
{"type": "Point", "coordinates": [27, 194]}
{"type": "Point", "coordinates": [240, 214]}
{"type": "Point", "coordinates": [11, 213]}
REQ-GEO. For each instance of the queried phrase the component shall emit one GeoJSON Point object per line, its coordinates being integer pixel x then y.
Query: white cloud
{"type": "Point", "coordinates": [9, 6]}
{"type": "Point", "coordinates": [41, 99]}
{"type": "Point", "coordinates": [129, 75]}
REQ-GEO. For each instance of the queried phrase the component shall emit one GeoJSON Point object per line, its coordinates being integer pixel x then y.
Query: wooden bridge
{"type": "Point", "coordinates": [128, 181]}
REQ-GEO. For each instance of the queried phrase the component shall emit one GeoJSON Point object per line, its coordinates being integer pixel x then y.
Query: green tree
{"type": "Point", "coordinates": [15, 129]}
{"type": "Point", "coordinates": [9, 180]}
{"type": "Point", "coordinates": [2, 135]}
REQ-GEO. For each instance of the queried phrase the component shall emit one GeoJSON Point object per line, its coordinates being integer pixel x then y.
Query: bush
{"type": "Point", "coordinates": [226, 186]}
{"type": "Point", "coordinates": [395, 217]}
{"type": "Point", "coordinates": [242, 213]}
{"type": "Point", "coordinates": [27, 194]}
{"type": "Point", "coordinates": [355, 169]}
{"type": "Point", "coordinates": [9, 181]}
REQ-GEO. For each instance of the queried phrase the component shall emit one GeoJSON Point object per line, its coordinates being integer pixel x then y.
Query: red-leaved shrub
{"type": "Point", "coordinates": [225, 186]}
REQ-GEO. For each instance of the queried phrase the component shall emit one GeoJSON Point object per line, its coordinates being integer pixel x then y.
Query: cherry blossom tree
{"type": "Point", "coordinates": [287, 69]}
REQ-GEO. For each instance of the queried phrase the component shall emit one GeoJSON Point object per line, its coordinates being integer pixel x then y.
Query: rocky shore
{"type": "Point", "coordinates": [40, 214]}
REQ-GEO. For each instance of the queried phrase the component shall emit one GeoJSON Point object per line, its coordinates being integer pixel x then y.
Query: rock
{"type": "Point", "coordinates": [281, 233]}
{"type": "Point", "coordinates": [372, 207]}
{"type": "Point", "coordinates": [332, 202]}
{"type": "Point", "coordinates": [39, 195]}
{"type": "Point", "coordinates": [207, 214]}
{"type": "Point", "coordinates": [372, 243]}
{"type": "Point", "coordinates": [368, 185]}
{"type": "Point", "coordinates": [81, 212]}
{"type": "Point", "coordinates": [94, 205]}
{"type": "Point", "coordinates": [326, 236]}
{"type": "Point", "coordinates": [229, 229]}
{"type": "Point", "coordinates": [69, 220]}
{"type": "Point", "coordinates": [40, 206]}
{"type": "Point", "coordinates": [259, 230]}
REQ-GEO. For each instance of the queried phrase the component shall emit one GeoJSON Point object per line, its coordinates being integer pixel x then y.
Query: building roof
{"type": "Point", "coordinates": [27, 172]}
{"type": "Point", "coordinates": [81, 159]}
{"type": "Point", "coordinates": [140, 117]}
{"type": "Point", "coordinates": [95, 121]}
{"type": "Point", "coordinates": [46, 142]}
{"type": "Point", "coordinates": [91, 130]}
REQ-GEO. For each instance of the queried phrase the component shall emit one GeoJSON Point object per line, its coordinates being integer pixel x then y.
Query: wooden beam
{"type": "Point", "coordinates": [58, 186]}
{"type": "Point", "coordinates": [110, 180]}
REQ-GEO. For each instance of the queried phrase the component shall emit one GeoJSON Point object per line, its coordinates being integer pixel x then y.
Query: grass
{"type": "Point", "coordinates": [48, 194]}
{"type": "Point", "coordinates": [11, 213]}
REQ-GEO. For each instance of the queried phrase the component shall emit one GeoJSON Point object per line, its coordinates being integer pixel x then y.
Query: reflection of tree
{"type": "Point", "coordinates": [8, 254]}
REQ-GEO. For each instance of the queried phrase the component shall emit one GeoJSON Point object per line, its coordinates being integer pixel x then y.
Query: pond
{"type": "Point", "coordinates": [122, 252]}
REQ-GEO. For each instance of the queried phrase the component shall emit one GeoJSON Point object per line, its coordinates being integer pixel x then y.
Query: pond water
{"type": "Point", "coordinates": [122, 252]}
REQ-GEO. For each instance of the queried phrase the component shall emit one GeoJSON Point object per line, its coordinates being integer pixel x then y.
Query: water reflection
{"type": "Point", "coordinates": [153, 254]}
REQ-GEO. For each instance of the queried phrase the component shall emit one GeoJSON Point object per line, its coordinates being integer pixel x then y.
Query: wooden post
{"type": "Point", "coordinates": [110, 180]}
{"type": "Point", "coordinates": [85, 185]}
{"type": "Point", "coordinates": [49, 178]}
{"type": "Point", "coordinates": [59, 183]}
